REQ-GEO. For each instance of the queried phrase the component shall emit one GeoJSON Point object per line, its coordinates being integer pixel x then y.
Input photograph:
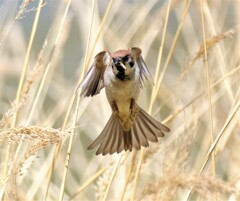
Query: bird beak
{"type": "Point", "coordinates": [123, 66]}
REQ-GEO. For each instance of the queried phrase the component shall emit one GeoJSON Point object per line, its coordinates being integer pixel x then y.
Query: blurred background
{"type": "Point", "coordinates": [192, 51]}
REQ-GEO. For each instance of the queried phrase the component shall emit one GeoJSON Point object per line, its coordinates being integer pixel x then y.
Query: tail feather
{"type": "Point", "coordinates": [154, 124]}
{"type": "Point", "coordinates": [127, 137]}
{"type": "Point", "coordinates": [149, 129]}
{"type": "Point", "coordinates": [102, 135]}
{"type": "Point", "coordinates": [120, 146]}
{"type": "Point", "coordinates": [105, 147]}
{"type": "Point", "coordinates": [108, 140]}
{"type": "Point", "coordinates": [114, 145]}
{"type": "Point", "coordinates": [114, 139]}
{"type": "Point", "coordinates": [135, 137]}
{"type": "Point", "coordinates": [111, 141]}
{"type": "Point", "coordinates": [145, 128]}
{"type": "Point", "coordinates": [141, 135]}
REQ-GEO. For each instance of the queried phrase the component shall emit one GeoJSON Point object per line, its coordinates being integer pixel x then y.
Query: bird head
{"type": "Point", "coordinates": [123, 64]}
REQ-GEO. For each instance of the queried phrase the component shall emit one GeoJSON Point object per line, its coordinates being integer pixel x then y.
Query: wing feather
{"type": "Point", "coordinates": [145, 75]}
{"type": "Point", "coordinates": [93, 81]}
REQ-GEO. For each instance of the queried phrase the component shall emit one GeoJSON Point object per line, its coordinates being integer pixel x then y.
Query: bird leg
{"type": "Point", "coordinates": [132, 104]}
{"type": "Point", "coordinates": [114, 107]}
{"type": "Point", "coordinates": [133, 109]}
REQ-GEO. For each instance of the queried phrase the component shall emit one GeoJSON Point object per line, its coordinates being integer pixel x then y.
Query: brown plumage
{"type": "Point", "coordinates": [122, 73]}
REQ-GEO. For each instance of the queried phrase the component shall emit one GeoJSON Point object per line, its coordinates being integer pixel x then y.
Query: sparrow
{"type": "Point", "coordinates": [122, 73]}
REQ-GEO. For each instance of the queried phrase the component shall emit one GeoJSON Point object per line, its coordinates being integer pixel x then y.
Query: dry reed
{"type": "Point", "coordinates": [193, 92]}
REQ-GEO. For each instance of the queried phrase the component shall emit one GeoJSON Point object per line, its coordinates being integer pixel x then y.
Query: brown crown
{"type": "Point", "coordinates": [120, 53]}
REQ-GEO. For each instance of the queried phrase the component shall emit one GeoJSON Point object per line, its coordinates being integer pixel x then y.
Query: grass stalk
{"type": "Point", "coordinates": [128, 175]}
{"type": "Point", "coordinates": [21, 81]}
{"type": "Point", "coordinates": [69, 151]}
{"type": "Point", "coordinates": [196, 80]}
{"type": "Point", "coordinates": [160, 56]}
{"type": "Point", "coordinates": [40, 89]}
{"type": "Point", "coordinates": [220, 52]}
{"type": "Point", "coordinates": [76, 94]}
{"type": "Point", "coordinates": [98, 35]}
{"type": "Point", "coordinates": [89, 181]}
{"type": "Point", "coordinates": [208, 84]}
{"type": "Point", "coordinates": [137, 174]}
{"type": "Point", "coordinates": [208, 89]}
{"type": "Point", "coordinates": [154, 95]}
{"type": "Point", "coordinates": [221, 133]}
{"type": "Point", "coordinates": [158, 84]}
{"type": "Point", "coordinates": [112, 177]}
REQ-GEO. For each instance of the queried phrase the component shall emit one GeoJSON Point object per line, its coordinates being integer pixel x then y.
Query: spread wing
{"type": "Point", "coordinates": [93, 81]}
{"type": "Point", "coordinates": [145, 75]}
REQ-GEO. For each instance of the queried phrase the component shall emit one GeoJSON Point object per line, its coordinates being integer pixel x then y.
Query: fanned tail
{"type": "Point", "coordinates": [111, 139]}
{"type": "Point", "coordinates": [114, 139]}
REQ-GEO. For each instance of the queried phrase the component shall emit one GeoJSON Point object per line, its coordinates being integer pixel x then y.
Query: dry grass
{"type": "Point", "coordinates": [205, 185]}
{"type": "Point", "coordinates": [192, 50]}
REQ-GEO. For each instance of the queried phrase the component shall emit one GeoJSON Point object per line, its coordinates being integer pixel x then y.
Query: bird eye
{"type": "Point", "coordinates": [131, 63]}
{"type": "Point", "coordinates": [125, 59]}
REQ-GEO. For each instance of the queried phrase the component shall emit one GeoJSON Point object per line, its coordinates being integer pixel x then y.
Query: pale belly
{"type": "Point", "coordinates": [122, 94]}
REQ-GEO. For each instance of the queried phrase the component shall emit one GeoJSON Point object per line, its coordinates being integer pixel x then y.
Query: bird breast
{"type": "Point", "coordinates": [121, 91]}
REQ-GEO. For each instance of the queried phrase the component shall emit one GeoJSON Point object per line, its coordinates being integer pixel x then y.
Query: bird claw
{"type": "Point", "coordinates": [114, 107]}
{"type": "Point", "coordinates": [132, 105]}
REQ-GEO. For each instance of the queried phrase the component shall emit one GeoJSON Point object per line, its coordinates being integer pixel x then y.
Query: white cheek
{"type": "Point", "coordinates": [115, 71]}
{"type": "Point", "coordinates": [129, 70]}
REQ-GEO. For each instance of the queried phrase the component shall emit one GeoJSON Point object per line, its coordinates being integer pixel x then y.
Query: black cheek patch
{"type": "Point", "coordinates": [131, 64]}
{"type": "Point", "coordinates": [120, 69]}
{"type": "Point", "coordinates": [121, 72]}
{"type": "Point", "coordinates": [121, 76]}
{"type": "Point", "coordinates": [125, 59]}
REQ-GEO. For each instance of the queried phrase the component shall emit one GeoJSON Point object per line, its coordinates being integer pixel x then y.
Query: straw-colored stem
{"type": "Point", "coordinates": [32, 109]}
{"type": "Point", "coordinates": [87, 47]}
{"type": "Point", "coordinates": [214, 144]}
{"type": "Point", "coordinates": [98, 34]}
{"type": "Point", "coordinates": [81, 76]}
{"type": "Point", "coordinates": [219, 52]}
{"type": "Point", "coordinates": [96, 175]}
{"type": "Point", "coordinates": [40, 89]}
{"type": "Point", "coordinates": [208, 84]}
{"type": "Point", "coordinates": [160, 54]}
{"type": "Point", "coordinates": [58, 147]}
{"type": "Point", "coordinates": [172, 116]}
{"type": "Point", "coordinates": [154, 95]}
{"type": "Point", "coordinates": [7, 32]}
{"type": "Point", "coordinates": [112, 177]}
{"type": "Point", "coordinates": [158, 84]}
{"type": "Point", "coordinates": [219, 136]}
{"type": "Point", "coordinates": [89, 181]}
{"type": "Point", "coordinates": [128, 175]}
{"type": "Point", "coordinates": [137, 175]}
{"type": "Point", "coordinates": [88, 40]}
{"type": "Point", "coordinates": [69, 152]}
{"type": "Point", "coordinates": [23, 75]}
{"type": "Point", "coordinates": [20, 12]}
{"type": "Point", "coordinates": [26, 60]}
{"type": "Point", "coordinates": [208, 88]}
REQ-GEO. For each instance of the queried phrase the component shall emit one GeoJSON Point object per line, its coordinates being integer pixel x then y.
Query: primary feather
{"type": "Point", "coordinates": [93, 81]}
